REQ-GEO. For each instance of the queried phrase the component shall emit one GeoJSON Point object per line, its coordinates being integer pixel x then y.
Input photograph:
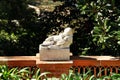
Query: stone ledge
{"type": "Point", "coordinates": [54, 62]}
{"type": "Point", "coordinates": [16, 58]}
{"type": "Point", "coordinates": [18, 61]}
{"type": "Point", "coordinates": [102, 58]}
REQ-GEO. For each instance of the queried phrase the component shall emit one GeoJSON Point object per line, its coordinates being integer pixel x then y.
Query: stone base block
{"type": "Point", "coordinates": [55, 54]}
{"type": "Point", "coordinates": [55, 67]}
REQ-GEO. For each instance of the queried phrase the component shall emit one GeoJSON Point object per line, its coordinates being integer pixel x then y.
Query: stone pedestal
{"type": "Point", "coordinates": [55, 67]}
{"type": "Point", "coordinates": [55, 54]}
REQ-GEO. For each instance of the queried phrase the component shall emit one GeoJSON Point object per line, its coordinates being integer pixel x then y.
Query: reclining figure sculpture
{"type": "Point", "coordinates": [61, 41]}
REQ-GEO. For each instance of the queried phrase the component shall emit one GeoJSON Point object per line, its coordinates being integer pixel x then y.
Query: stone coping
{"type": "Point", "coordinates": [16, 58]}
{"type": "Point", "coordinates": [36, 58]}
{"type": "Point", "coordinates": [94, 58]}
{"type": "Point", "coordinates": [54, 62]}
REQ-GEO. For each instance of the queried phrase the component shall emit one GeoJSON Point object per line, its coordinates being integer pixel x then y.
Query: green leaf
{"type": "Point", "coordinates": [84, 7]}
{"type": "Point", "coordinates": [43, 74]}
{"type": "Point", "coordinates": [24, 70]}
{"type": "Point", "coordinates": [96, 30]}
{"type": "Point", "coordinates": [91, 77]}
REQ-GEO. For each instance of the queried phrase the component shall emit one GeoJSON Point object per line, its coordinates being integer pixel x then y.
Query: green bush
{"type": "Point", "coordinates": [20, 31]}
{"type": "Point", "coordinates": [13, 74]}
{"type": "Point", "coordinates": [104, 37]}
{"type": "Point", "coordinates": [77, 76]}
{"type": "Point", "coordinates": [7, 73]}
{"type": "Point", "coordinates": [89, 76]}
{"type": "Point", "coordinates": [96, 24]}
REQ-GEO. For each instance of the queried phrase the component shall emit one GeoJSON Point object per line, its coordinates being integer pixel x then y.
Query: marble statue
{"type": "Point", "coordinates": [63, 40]}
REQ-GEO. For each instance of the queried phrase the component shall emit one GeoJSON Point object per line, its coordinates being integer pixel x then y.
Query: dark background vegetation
{"type": "Point", "coordinates": [96, 24]}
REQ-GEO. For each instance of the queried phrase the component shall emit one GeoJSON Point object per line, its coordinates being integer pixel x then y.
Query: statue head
{"type": "Point", "coordinates": [68, 32]}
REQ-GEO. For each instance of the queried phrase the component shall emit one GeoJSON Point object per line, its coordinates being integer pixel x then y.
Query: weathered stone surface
{"type": "Point", "coordinates": [56, 47]}
{"type": "Point", "coordinates": [55, 54]}
{"type": "Point", "coordinates": [63, 40]}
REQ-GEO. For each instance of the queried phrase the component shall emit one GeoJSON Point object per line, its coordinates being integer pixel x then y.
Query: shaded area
{"type": "Point", "coordinates": [96, 25]}
{"type": "Point", "coordinates": [82, 58]}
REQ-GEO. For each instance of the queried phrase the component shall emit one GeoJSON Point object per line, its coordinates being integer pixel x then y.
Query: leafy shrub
{"type": "Point", "coordinates": [77, 76]}
{"type": "Point", "coordinates": [13, 74]}
{"type": "Point", "coordinates": [96, 24]}
{"type": "Point", "coordinates": [89, 76]}
{"type": "Point", "coordinates": [7, 73]}
{"type": "Point", "coordinates": [113, 76]}
{"type": "Point", "coordinates": [39, 76]}
{"type": "Point", "coordinates": [105, 32]}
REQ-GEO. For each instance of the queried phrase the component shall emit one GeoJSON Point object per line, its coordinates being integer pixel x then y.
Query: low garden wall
{"type": "Point", "coordinates": [97, 64]}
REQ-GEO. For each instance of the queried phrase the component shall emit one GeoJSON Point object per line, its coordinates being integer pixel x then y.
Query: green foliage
{"type": "Point", "coordinates": [113, 76]}
{"type": "Point", "coordinates": [18, 25]}
{"type": "Point", "coordinates": [13, 73]}
{"type": "Point", "coordinates": [96, 24]}
{"type": "Point", "coordinates": [38, 75]}
{"type": "Point", "coordinates": [7, 73]}
{"type": "Point", "coordinates": [89, 76]}
{"type": "Point", "coordinates": [77, 76]}
{"type": "Point", "coordinates": [104, 35]}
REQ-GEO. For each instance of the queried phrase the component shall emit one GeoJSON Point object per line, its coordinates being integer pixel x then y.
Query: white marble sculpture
{"type": "Point", "coordinates": [61, 41]}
